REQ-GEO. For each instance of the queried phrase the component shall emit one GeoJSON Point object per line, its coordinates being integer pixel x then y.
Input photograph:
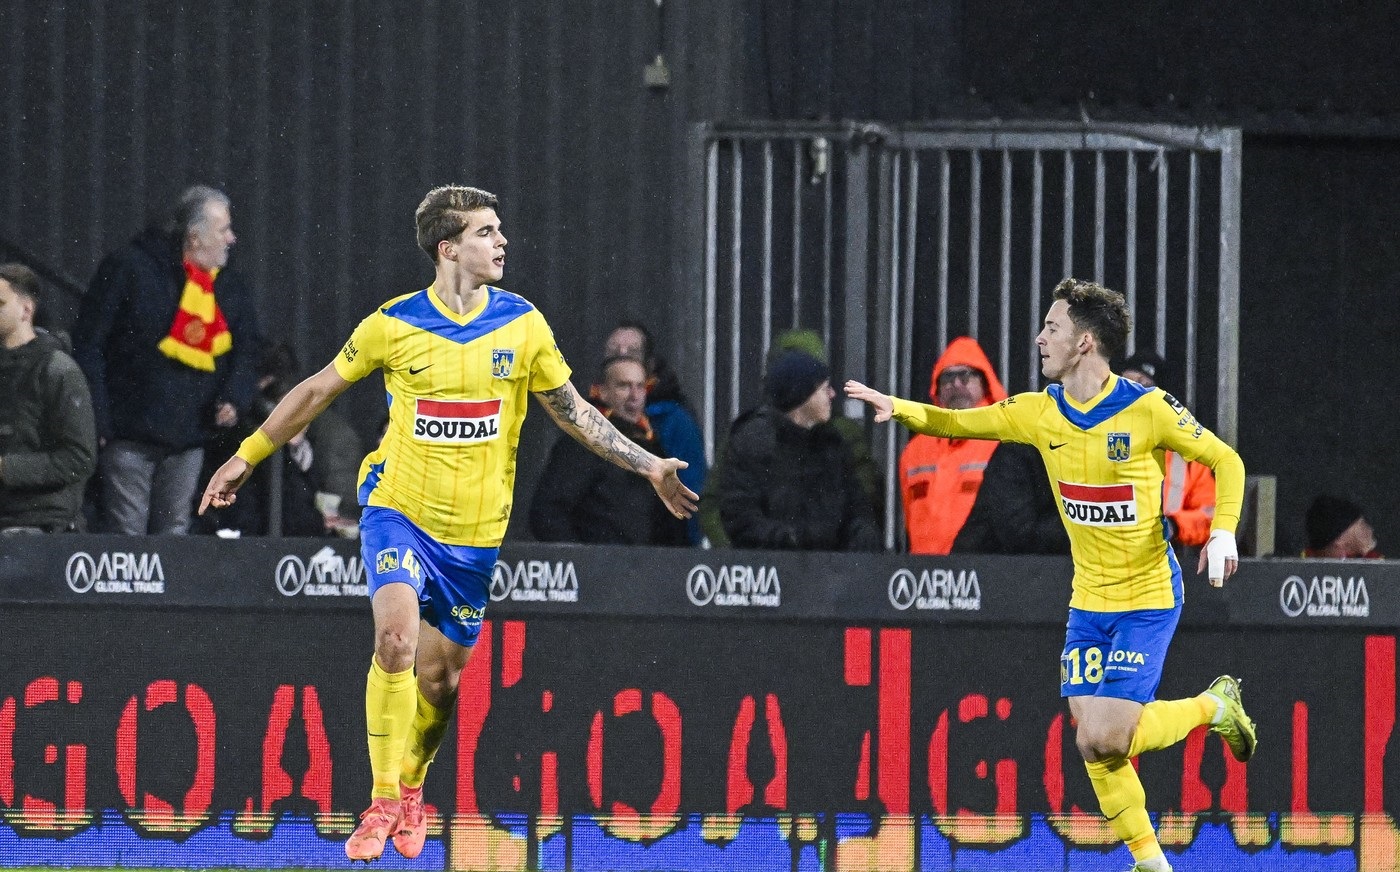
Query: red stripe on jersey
{"type": "Point", "coordinates": [459, 408]}
{"type": "Point", "coordinates": [1097, 493]}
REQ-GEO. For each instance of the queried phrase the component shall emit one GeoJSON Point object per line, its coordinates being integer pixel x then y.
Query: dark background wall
{"type": "Point", "coordinates": [326, 121]}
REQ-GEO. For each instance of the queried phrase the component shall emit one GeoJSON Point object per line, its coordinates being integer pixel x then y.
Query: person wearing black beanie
{"type": "Point", "coordinates": [1338, 529]}
{"type": "Point", "coordinates": [793, 378]}
{"type": "Point", "coordinates": [790, 480]}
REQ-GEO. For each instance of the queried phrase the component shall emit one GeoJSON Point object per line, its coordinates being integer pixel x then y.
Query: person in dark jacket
{"type": "Point", "coordinates": [852, 433]}
{"type": "Point", "coordinates": [790, 479]}
{"type": "Point", "coordinates": [668, 409]}
{"type": "Point", "coordinates": [168, 340]}
{"type": "Point", "coordinates": [47, 446]}
{"type": "Point", "coordinates": [583, 498]}
{"type": "Point", "coordinates": [1015, 511]}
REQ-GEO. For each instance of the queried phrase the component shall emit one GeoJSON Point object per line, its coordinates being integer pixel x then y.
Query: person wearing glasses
{"type": "Point", "coordinates": [459, 359]}
{"type": "Point", "coordinates": [939, 477]}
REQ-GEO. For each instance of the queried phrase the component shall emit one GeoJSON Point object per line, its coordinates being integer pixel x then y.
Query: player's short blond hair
{"type": "Point", "coordinates": [1100, 311]}
{"type": "Point", "coordinates": [443, 214]}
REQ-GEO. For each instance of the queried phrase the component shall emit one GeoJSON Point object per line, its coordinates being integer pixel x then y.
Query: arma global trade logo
{"type": "Point", "coordinates": [734, 585]}
{"type": "Point", "coordinates": [539, 581]}
{"type": "Point", "coordinates": [115, 572]}
{"type": "Point", "coordinates": [956, 590]}
{"type": "Point", "coordinates": [1325, 596]}
{"type": "Point", "coordinates": [325, 573]}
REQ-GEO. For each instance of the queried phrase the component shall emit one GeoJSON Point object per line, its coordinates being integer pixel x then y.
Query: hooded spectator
{"type": "Point", "coordinates": [939, 478]}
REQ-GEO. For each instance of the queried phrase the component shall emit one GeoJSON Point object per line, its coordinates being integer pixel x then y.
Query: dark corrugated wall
{"type": "Point", "coordinates": [326, 121]}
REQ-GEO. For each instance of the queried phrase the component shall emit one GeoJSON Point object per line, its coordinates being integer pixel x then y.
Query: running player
{"type": "Point", "coordinates": [459, 358]}
{"type": "Point", "coordinates": [1102, 439]}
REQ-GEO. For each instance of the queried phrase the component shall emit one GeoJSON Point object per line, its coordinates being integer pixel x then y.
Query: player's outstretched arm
{"type": "Point", "coordinates": [883, 404]}
{"type": "Point", "coordinates": [297, 409]}
{"type": "Point", "coordinates": [581, 420]}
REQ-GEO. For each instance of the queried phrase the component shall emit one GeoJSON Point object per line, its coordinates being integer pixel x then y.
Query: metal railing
{"type": "Point", "coordinates": [889, 241]}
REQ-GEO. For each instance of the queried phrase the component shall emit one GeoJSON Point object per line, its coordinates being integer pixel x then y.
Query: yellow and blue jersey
{"type": "Point", "coordinates": [1105, 461]}
{"type": "Point", "coordinates": [458, 386]}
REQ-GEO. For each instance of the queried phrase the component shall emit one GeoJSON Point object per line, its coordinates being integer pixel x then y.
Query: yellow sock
{"type": "Point", "coordinates": [1165, 722]}
{"type": "Point", "coordinates": [389, 708]}
{"type": "Point", "coordinates": [1124, 804]}
{"type": "Point", "coordinates": [429, 725]}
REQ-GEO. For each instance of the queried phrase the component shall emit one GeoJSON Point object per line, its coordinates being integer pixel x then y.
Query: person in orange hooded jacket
{"type": "Point", "coordinates": [1188, 487]}
{"type": "Point", "coordinates": [939, 478]}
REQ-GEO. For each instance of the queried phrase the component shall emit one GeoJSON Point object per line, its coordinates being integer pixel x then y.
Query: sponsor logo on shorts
{"type": "Point", "coordinates": [542, 581]}
{"type": "Point", "coordinates": [1325, 596]}
{"type": "Point", "coordinates": [1121, 660]}
{"type": "Point", "coordinates": [325, 573]}
{"type": "Point", "coordinates": [502, 362]}
{"type": "Point", "coordinates": [1099, 505]}
{"type": "Point", "coordinates": [734, 585]}
{"type": "Point", "coordinates": [459, 422]}
{"type": "Point", "coordinates": [956, 590]}
{"type": "Point", "coordinates": [115, 572]}
{"type": "Point", "coordinates": [386, 561]}
{"type": "Point", "coordinates": [467, 614]}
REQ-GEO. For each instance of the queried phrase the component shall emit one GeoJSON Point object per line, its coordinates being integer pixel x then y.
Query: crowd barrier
{"type": "Point", "coordinates": [196, 702]}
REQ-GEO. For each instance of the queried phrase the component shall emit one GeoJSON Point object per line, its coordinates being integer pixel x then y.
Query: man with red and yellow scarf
{"type": "Point", "coordinates": [167, 338]}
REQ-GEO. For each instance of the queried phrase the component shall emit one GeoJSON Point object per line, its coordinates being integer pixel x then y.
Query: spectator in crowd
{"type": "Point", "coordinates": [1338, 530]}
{"type": "Point", "coordinates": [1188, 492]}
{"type": "Point", "coordinates": [583, 498]}
{"type": "Point", "coordinates": [338, 449]}
{"type": "Point", "coordinates": [308, 508]}
{"type": "Point", "coordinates": [1015, 511]}
{"type": "Point", "coordinates": [938, 477]}
{"type": "Point", "coordinates": [852, 433]}
{"type": "Point", "coordinates": [790, 479]}
{"type": "Point", "coordinates": [168, 340]}
{"type": "Point", "coordinates": [47, 445]}
{"type": "Point", "coordinates": [667, 408]}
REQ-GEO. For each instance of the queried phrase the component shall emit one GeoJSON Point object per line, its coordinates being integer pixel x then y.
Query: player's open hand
{"type": "Point", "coordinates": [1220, 557]}
{"type": "Point", "coordinates": [680, 500]}
{"type": "Point", "coordinates": [222, 488]}
{"type": "Point", "coordinates": [882, 403]}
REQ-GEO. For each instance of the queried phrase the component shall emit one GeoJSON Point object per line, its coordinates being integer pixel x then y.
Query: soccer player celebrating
{"type": "Point", "coordinates": [1102, 438]}
{"type": "Point", "coordinates": [458, 358]}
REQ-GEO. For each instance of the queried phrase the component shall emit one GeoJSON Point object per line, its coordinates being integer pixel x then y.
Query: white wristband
{"type": "Point", "coordinates": [1219, 548]}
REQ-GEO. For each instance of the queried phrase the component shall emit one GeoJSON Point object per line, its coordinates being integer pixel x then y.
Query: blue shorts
{"type": "Point", "coordinates": [453, 581]}
{"type": "Point", "coordinates": [1116, 654]}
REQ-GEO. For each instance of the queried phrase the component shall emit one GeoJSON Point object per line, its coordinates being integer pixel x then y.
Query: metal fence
{"type": "Point", "coordinates": [889, 241]}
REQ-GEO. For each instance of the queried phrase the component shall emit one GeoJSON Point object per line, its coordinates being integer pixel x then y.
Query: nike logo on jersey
{"type": "Point", "coordinates": [1055, 446]}
{"type": "Point", "coordinates": [412, 371]}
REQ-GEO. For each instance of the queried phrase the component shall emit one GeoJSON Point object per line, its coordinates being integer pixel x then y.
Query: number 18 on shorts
{"type": "Point", "coordinates": [1116, 654]}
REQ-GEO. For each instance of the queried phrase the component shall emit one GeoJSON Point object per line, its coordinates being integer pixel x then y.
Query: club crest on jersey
{"type": "Point", "coordinates": [502, 362]}
{"type": "Point", "coordinates": [1118, 447]}
{"type": "Point", "coordinates": [459, 422]}
{"type": "Point", "coordinates": [1099, 505]}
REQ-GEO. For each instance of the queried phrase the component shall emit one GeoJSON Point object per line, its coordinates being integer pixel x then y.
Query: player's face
{"type": "Point", "coordinates": [1058, 342]}
{"type": "Point", "coordinates": [625, 389]}
{"type": "Point", "coordinates": [817, 407]}
{"type": "Point", "coordinates": [478, 253]}
{"type": "Point", "coordinates": [209, 241]}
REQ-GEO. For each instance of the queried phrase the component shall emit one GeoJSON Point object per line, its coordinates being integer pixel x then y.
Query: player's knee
{"type": "Point", "coordinates": [394, 650]}
{"type": "Point", "coordinates": [1097, 744]}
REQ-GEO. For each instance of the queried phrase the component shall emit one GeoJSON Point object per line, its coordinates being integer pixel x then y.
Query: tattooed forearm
{"type": "Point", "coordinates": [594, 430]}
